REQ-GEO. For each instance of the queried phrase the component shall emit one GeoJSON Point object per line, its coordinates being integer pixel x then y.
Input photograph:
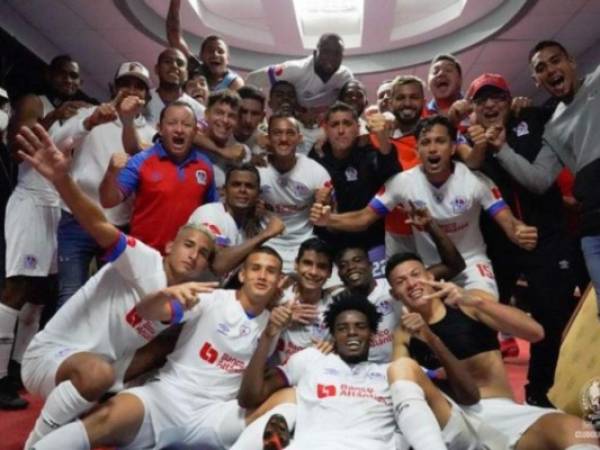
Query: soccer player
{"type": "Point", "coordinates": [357, 171]}
{"type": "Point", "coordinates": [32, 217]}
{"type": "Point", "coordinates": [193, 400]}
{"type": "Point", "coordinates": [317, 78]}
{"type": "Point", "coordinates": [289, 185]}
{"type": "Point", "coordinates": [346, 402]}
{"type": "Point", "coordinates": [454, 195]}
{"type": "Point", "coordinates": [235, 221]}
{"type": "Point", "coordinates": [570, 139]}
{"type": "Point", "coordinates": [87, 346]}
{"type": "Point", "coordinates": [171, 70]}
{"type": "Point", "coordinates": [468, 323]}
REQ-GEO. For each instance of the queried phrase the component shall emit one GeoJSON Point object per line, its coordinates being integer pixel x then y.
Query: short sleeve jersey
{"type": "Point", "coordinates": [291, 195]}
{"type": "Point", "coordinates": [381, 347]}
{"type": "Point", "coordinates": [220, 223]}
{"type": "Point", "coordinates": [298, 337]}
{"type": "Point", "coordinates": [215, 346]}
{"type": "Point", "coordinates": [166, 192]}
{"type": "Point", "coordinates": [455, 206]}
{"type": "Point", "coordinates": [101, 316]}
{"type": "Point", "coordinates": [340, 405]}
{"type": "Point", "coordinates": [312, 92]}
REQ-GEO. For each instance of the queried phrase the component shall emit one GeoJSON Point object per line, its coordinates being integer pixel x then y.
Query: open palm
{"type": "Point", "coordinates": [37, 148]}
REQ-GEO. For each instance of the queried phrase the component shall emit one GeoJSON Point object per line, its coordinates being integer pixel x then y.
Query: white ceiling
{"type": "Point", "coordinates": [103, 33]}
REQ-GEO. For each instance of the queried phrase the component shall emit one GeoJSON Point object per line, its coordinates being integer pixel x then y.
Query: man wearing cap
{"type": "Point", "coordinates": [548, 267]}
{"type": "Point", "coordinates": [31, 250]}
{"type": "Point", "coordinates": [96, 139]}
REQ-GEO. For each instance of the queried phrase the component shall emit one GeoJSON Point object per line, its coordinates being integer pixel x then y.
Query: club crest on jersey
{"type": "Point", "coordinates": [301, 189]}
{"type": "Point", "coordinates": [522, 129]}
{"type": "Point", "coordinates": [351, 174]}
{"type": "Point", "coordinates": [201, 177]}
{"type": "Point", "coordinates": [384, 308]}
{"type": "Point", "coordinates": [459, 205]}
{"type": "Point", "coordinates": [30, 262]}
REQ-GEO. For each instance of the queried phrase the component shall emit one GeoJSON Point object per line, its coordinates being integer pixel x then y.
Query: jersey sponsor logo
{"type": "Point", "coordinates": [223, 329]}
{"type": "Point", "coordinates": [143, 327]}
{"type": "Point", "coordinates": [331, 371]}
{"type": "Point", "coordinates": [326, 390]}
{"type": "Point", "coordinates": [382, 337]}
{"type": "Point", "coordinates": [522, 129]}
{"type": "Point", "coordinates": [348, 390]}
{"type": "Point", "coordinates": [496, 193]}
{"type": "Point", "coordinates": [453, 227]}
{"type": "Point", "coordinates": [30, 262]}
{"type": "Point", "coordinates": [201, 177]}
{"type": "Point", "coordinates": [459, 205]}
{"type": "Point", "coordinates": [223, 361]}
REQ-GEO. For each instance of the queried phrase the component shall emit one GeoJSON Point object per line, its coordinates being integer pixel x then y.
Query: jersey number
{"type": "Point", "coordinates": [485, 270]}
{"type": "Point", "coordinates": [208, 353]}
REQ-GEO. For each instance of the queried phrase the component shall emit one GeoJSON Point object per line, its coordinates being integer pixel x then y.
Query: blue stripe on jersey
{"type": "Point", "coordinates": [271, 73]}
{"type": "Point", "coordinates": [176, 312]}
{"type": "Point", "coordinates": [379, 208]}
{"type": "Point", "coordinates": [496, 208]}
{"type": "Point", "coordinates": [114, 251]}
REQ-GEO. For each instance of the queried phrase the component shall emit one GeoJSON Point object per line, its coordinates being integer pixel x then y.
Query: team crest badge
{"type": "Point", "coordinates": [459, 205]}
{"type": "Point", "coordinates": [351, 174]}
{"type": "Point", "coordinates": [201, 177]}
{"type": "Point", "coordinates": [522, 129]}
{"type": "Point", "coordinates": [30, 262]}
{"type": "Point", "coordinates": [589, 400]}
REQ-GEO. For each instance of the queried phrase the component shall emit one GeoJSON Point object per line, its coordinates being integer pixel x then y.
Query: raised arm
{"type": "Point", "coordinates": [110, 194]}
{"type": "Point", "coordinates": [486, 309]}
{"type": "Point", "coordinates": [524, 236]}
{"type": "Point", "coordinates": [129, 108]}
{"type": "Point", "coordinates": [36, 147]}
{"type": "Point", "coordinates": [169, 304]}
{"type": "Point", "coordinates": [174, 33]}
{"type": "Point", "coordinates": [537, 176]}
{"type": "Point", "coordinates": [352, 221]}
{"type": "Point", "coordinates": [229, 258]}
{"type": "Point", "coordinates": [452, 262]}
{"type": "Point", "coordinates": [464, 388]}
{"type": "Point", "coordinates": [258, 382]}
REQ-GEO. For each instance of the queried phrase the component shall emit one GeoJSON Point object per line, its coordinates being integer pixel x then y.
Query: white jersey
{"type": "Point", "coordinates": [340, 406]}
{"type": "Point", "coordinates": [101, 316]}
{"type": "Point", "coordinates": [380, 350]}
{"type": "Point", "coordinates": [220, 164]}
{"type": "Point", "coordinates": [156, 105]}
{"type": "Point", "coordinates": [291, 195]}
{"type": "Point", "coordinates": [215, 346]}
{"type": "Point", "coordinates": [297, 337]}
{"type": "Point", "coordinates": [455, 206]}
{"type": "Point", "coordinates": [220, 223]}
{"type": "Point", "coordinates": [29, 181]}
{"type": "Point", "coordinates": [92, 154]}
{"type": "Point", "coordinates": [311, 91]}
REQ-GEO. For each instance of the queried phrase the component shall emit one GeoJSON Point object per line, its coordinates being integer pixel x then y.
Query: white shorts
{"type": "Point", "coordinates": [173, 416]}
{"type": "Point", "coordinates": [30, 231]}
{"type": "Point", "coordinates": [39, 371]}
{"type": "Point", "coordinates": [509, 418]}
{"type": "Point", "coordinates": [478, 275]}
{"type": "Point", "coordinates": [41, 362]}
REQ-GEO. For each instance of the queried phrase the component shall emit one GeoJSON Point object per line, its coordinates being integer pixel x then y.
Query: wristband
{"type": "Point", "coordinates": [176, 311]}
{"type": "Point", "coordinates": [432, 374]}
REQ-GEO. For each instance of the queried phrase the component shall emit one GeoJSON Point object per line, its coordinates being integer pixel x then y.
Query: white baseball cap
{"type": "Point", "coordinates": [134, 69]}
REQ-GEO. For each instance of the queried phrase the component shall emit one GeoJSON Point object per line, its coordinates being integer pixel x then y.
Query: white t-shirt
{"type": "Point", "coordinates": [101, 316]}
{"type": "Point", "coordinates": [92, 154]}
{"type": "Point", "coordinates": [29, 181]}
{"type": "Point", "coordinates": [310, 89]}
{"type": "Point", "coordinates": [291, 195]}
{"type": "Point", "coordinates": [340, 406]}
{"type": "Point", "coordinates": [220, 223]}
{"type": "Point", "coordinates": [455, 206]}
{"type": "Point", "coordinates": [215, 346]}
{"type": "Point", "coordinates": [156, 105]}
